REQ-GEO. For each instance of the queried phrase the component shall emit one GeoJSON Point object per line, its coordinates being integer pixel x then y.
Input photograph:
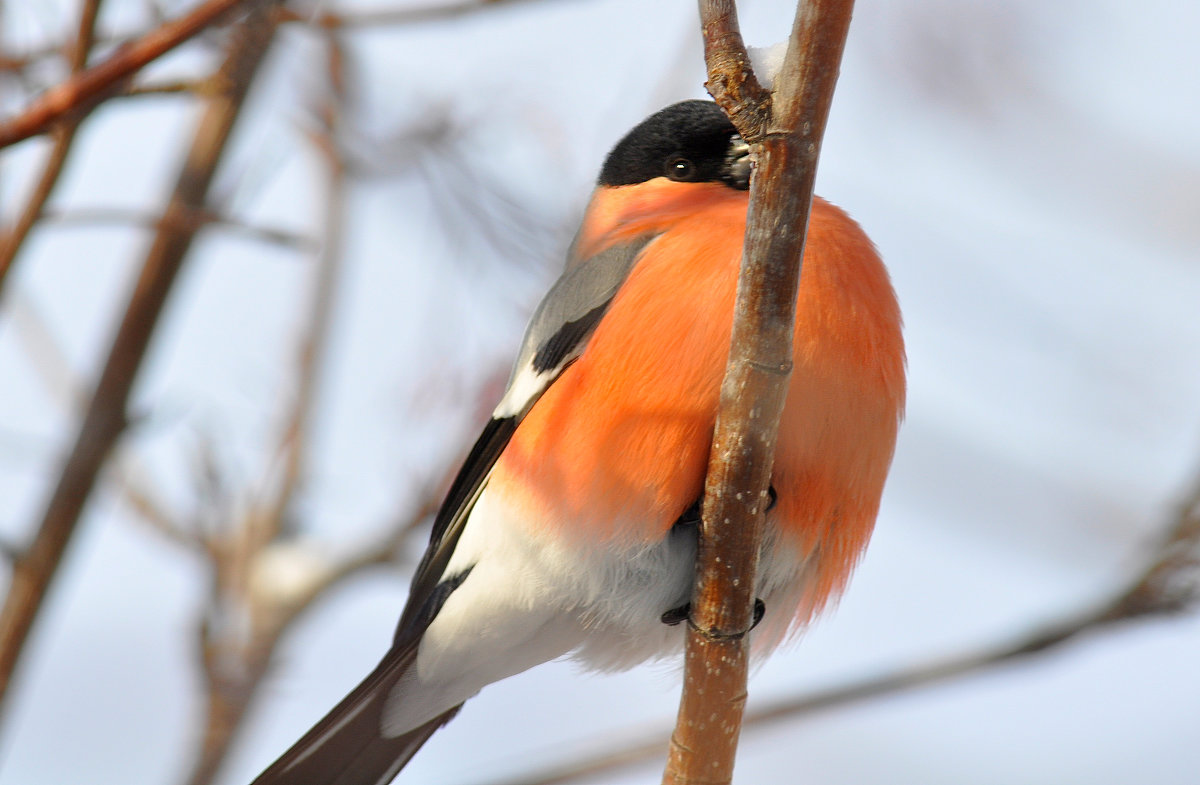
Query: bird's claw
{"type": "Point", "coordinates": [675, 616]}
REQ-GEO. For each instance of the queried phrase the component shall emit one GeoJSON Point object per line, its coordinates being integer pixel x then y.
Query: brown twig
{"type": "Point", "coordinates": [1170, 584]}
{"type": "Point", "coordinates": [196, 220]}
{"type": "Point", "coordinates": [185, 87]}
{"type": "Point", "coordinates": [704, 744]}
{"type": "Point", "coordinates": [384, 17]}
{"type": "Point", "coordinates": [50, 363]}
{"type": "Point", "coordinates": [329, 20]}
{"type": "Point", "coordinates": [83, 90]}
{"type": "Point", "coordinates": [236, 657]}
{"type": "Point", "coordinates": [64, 138]}
{"type": "Point", "coordinates": [105, 418]}
{"type": "Point", "coordinates": [14, 239]}
{"type": "Point", "coordinates": [731, 81]}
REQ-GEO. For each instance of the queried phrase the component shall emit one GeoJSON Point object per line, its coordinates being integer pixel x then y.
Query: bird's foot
{"type": "Point", "coordinates": [680, 614]}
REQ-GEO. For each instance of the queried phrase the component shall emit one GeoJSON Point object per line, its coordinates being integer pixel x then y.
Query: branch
{"type": "Point", "coordinates": [329, 20]}
{"type": "Point", "coordinates": [50, 364]}
{"type": "Point", "coordinates": [105, 418]}
{"type": "Point", "coordinates": [84, 90]}
{"type": "Point", "coordinates": [237, 657]}
{"type": "Point", "coordinates": [731, 81]}
{"type": "Point", "coordinates": [195, 219]}
{"type": "Point", "coordinates": [64, 138]}
{"type": "Point", "coordinates": [385, 17]}
{"type": "Point", "coordinates": [704, 744]}
{"type": "Point", "coordinates": [14, 239]}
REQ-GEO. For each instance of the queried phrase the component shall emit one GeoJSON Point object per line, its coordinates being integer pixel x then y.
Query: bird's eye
{"type": "Point", "coordinates": [680, 169]}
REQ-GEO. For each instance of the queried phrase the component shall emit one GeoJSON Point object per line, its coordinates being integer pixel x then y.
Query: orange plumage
{"type": "Point", "coordinates": [619, 444]}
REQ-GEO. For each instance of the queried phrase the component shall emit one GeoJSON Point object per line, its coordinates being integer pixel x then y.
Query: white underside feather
{"type": "Point", "coordinates": [530, 599]}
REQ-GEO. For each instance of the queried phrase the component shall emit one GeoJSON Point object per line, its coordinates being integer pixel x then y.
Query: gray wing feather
{"type": "Point", "coordinates": [557, 334]}
{"type": "Point", "coordinates": [564, 321]}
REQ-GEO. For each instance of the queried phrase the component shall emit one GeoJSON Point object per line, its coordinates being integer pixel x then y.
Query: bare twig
{"type": "Point", "coordinates": [195, 220]}
{"type": "Point", "coordinates": [390, 17]}
{"type": "Point", "coordinates": [293, 443]}
{"type": "Point", "coordinates": [704, 743]}
{"type": "Point", "coordinates": [329, 20]}
{"type": "Point", "coordinates": [83, 90]}
{"type": "Point", "coordinates": [64, 137]}
{"type": "Point", "coordinates": [105, 418]}
{"type": "Point", "coordinates": [185, 87]}
{"type": "Point", "coordinates": [14, 238]}
{"type": "Point", "coordinates": [51, 365]}
{"type": "Point", "coordinates": [731, 81]}
{"type": "Point", "coordinates": [236, 657]}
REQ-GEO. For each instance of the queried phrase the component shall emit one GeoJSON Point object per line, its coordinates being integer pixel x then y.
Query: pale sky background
{"type": "Point", "coordinates": [1030, 172]}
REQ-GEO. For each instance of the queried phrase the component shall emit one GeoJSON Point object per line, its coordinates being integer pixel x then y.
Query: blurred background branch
{"type": "Point", "coordinates": [63, 138]}
{"type": "Point", "coordinates": [79, 94]}
{"type": "Point", "coordinates": [106, 418]}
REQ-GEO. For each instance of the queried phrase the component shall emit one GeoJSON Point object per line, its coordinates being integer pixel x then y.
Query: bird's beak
{"type": "Point", "coordinates": [738, 164]}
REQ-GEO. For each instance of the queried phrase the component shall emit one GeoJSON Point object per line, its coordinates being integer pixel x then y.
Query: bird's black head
{"type": "Point", "coordinates": [691, 141]}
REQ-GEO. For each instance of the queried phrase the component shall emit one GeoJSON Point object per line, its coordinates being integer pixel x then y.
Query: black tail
{"type": "Point", "coordinates": [347, 746]}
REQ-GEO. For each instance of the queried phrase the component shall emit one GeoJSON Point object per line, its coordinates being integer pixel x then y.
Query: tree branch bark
{"type": "Point", "coordinates": [84, 90]}
{"type": "Point", "coordinates": [105, 418]}
{"type": "Point", "coordinates": [64, 138]}
{"type": "Point", "coordinates": [704, 744]}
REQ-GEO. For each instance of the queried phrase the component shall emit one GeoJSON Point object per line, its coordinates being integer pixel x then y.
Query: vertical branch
{"type": "Point", "coordinates": [64, 138]}
{"type": "Point", "coordinates": [731, 81]}
{"type": "Point", "coordinates": [236, 658]}
{"type": "Point", "coordinates": [704, 743]}
{"type": "Point", "coordinates": [105, 419]}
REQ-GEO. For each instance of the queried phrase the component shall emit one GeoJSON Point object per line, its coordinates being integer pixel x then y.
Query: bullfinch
{"type": "Point", "coordinates": [571, 527]}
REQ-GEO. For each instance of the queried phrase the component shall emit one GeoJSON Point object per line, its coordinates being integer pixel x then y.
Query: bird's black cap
{"type": "Point", "coordinates": [691, 141]}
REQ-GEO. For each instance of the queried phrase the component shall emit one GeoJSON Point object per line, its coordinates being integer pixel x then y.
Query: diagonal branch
{"type": "Point", "coordinates": [704, 744]}
{"type": "Point", "coordinates": [388, 17]}
{"type": "Point", "coordinates": [84, 90]}
{"type": "Point", "coordinates": [270, 235]}
{"type": "Point", "coordinates": [731, 81]}
{"type": "Point", "coordinates": [64, 138]}
{"type": "Point", "coordinates": [105, 419]}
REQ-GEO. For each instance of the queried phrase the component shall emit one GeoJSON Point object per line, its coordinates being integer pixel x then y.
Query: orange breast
{"type": "Point", "coordinates": [617, 447]}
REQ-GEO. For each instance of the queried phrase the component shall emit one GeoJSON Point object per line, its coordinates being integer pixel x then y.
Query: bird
{"type": "Point", "coordinates": [571, 528]}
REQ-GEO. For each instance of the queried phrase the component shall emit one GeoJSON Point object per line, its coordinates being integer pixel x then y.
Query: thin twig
{"type": "Point", "coordinates": [14, 239]}
{"type": "Point", "coordinates": [236, 658]}
{"type": "Point", "coordinates": [196, 219]}
{"type": "Point", "coordinates": [331, 20]}
{"type": "Point", "coordinates": [83, 90]}
{"type": "Point", "coordinates": [185, 87]}
{"type": "Point", "coordinates": [392, 17]}
{"type": "Point", "coordinates": [105, 418]}
{"type": "Point", "coordinates": [64, 138]}
{"type": "Point", "coordinates": [704, 744]}
{"type": "Point", "coordinates": [293, 443]}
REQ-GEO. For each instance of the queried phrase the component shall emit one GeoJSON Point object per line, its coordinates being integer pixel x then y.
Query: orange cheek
{"type": "Point", "coordinates": [619, 214]}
